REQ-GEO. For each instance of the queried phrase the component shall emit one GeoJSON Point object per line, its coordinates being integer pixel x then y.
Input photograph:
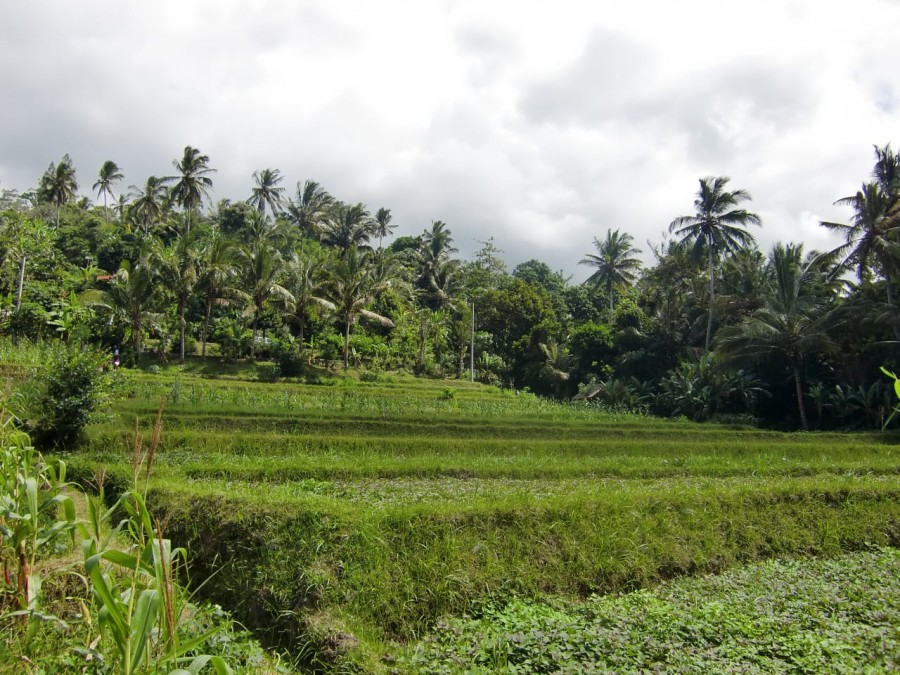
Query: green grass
{"type": "Point", "coordinates": [345, 519]}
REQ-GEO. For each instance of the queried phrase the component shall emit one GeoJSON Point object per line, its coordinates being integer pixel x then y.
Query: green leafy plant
{"type": "Point", "coordinates": [896, 409]}
{"type": "Point", "coordinates": [61, 397]}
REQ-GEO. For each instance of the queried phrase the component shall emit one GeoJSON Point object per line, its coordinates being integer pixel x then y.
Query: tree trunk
{"type": "Point", "coordinates": [21, 283]}
{"type": "Point", "coordinates": [890, 299]}
{"type": "Point", "coordinates": [57, 215]}
{"type": "Point", "coordinates": [609, 291]}
{"type": "Point", "coordinates": [206, 326]}
{"type": "Point", "coordinates": [253, 339]}
{"type": "Point", "coordinates": [136, 328]}
{"type": "Point", "coordinates": [347, 322]}
{"type": "Point", "coordinates": [712, 296]}
{"type": "Point", "coordinates": [302, 317]}
{"type": "Point", "coordinates": [799, 389]}
{"type": "Point", "coordinates": [420, 358]}
{"type": "Point", "coordinates": [181, 324]}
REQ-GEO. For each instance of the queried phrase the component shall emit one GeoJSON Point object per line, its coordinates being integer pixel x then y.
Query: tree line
{"type": "Point", "coordinates": [714, 328]}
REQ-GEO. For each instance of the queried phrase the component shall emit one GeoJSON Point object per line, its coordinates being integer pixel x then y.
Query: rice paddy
{"type": "Point", "coordinates": [346, 520]}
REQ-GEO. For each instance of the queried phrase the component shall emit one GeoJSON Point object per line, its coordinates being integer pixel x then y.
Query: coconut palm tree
{"type": "Point", "coordinates": [262, 269]}
{"type": "Point", "coordinates": [352, 286]}
{"type": "Point", "coordinates": [194, 183]}
{"type": "Point", "coordinates": [58, 184]}
{"type": "Point", "coordinates": [435, 248]}
{"type": "Point", "coordinates": [306, 280]}
{"type": "Point", "coordinates": [150, 202]}
{"type": "Point", "coordinates": [614, 264]}
{"type": "Point", "coordinates": [310, 208]}
{"type": "Point", "coordinates": [130, 295]}
{"type": "Point", "coordinates": [109, 174]}
{"type": "Point", "coordinates": [178, 266]}
{"type": "Point", "coordinates": [347, 226]}
{"type": "Point", "coordinates": [267, 192]}
{"type": "Point", "coordinates": [216, 278]}
{"type": "Point", "coordinates": [716, 228]}
{"type": "Point", "coordinates": [795, 320]}
{"type": "Point", "coordinates": [871, 236]}
{"type": "Point", "coordinates": [382, 227]}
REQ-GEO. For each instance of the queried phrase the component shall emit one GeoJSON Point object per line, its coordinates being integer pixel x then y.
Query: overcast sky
{"type": "Point", "coordinates": [541, 124]}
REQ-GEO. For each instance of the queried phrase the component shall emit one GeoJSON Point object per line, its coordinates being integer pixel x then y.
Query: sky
{"type": "Point", "coordinates": [540, 124]}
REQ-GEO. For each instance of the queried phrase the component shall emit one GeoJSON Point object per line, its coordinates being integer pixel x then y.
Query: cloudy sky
{"type": "Point", "coordinates": [541, 124]}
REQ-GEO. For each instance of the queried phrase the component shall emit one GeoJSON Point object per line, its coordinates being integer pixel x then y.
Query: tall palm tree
{"type": "Point", "coordinates": [435, 248]}
{"type": "Point", "coordinates": [614, 264]}
{"type": "Point", "coordinates": [262, 269]}
{"type": "Point", "coordinates": [795, 320]}
{"type": "Point", "coordinates": [347, 226]}
{"type": "Point", "coordinates": [266, 192]}
{"type": "Point", "coordinates": [310, 208]}
{"type": "Point", "coordinates": [352, 286]}
{"type": "Point", "coordinates": [217, 276]}
{"type": "Point", "coordinates": [382, 227]}
{"type": "Point", "coordinates": [716, 228]}
{"type": "Point", "coordinates": [178, 266]}
{"type": "Point", "coordinates": [194, 183]}
{"type": "Point", "coordinates": [871, 237]}
{"type": "Point", "coordinates": [306, 279]}
{"type": "Point", "coordinates": [109, 174]}
{"type": "Point", "coordinates": [58, 184]}
{"type": "Point", "coordinates": [150, 202]}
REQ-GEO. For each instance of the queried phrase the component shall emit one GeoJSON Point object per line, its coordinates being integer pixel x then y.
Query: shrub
{"type": "Point", "coordinates": [59, 400]}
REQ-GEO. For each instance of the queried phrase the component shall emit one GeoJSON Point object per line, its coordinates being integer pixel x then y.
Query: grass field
{"type": "Point", "coordinates": [346, 519]}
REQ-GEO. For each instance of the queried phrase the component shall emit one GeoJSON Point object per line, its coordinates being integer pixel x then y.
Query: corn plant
{"type": "Point", "coordinates": [31, 498]}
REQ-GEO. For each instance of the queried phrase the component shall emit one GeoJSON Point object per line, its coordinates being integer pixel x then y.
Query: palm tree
{"type": "Point", "coordinates": [794, 321]}
{"type": "Point", "coordinates": [310, 208]}
{"type": "Point", "coordinates": [267, 191]}
{"type": "Point", "coordinates": [58, 184]}
{"type": "Point", "coordinates": [306, 278]}
{"type": "Point", "coordinates": [130, 293]}
{"type": "Point", "coordinates": [194, 183]}
{"type": "Point", "coordinates": [352, 286]}
{"type": "Point", "coordinates": [262, 269]}
{"type": "Point", "coordinates": [109, 174]}
{"type": "Point", "coordinates": [435, 248]}
{"type": "Point", "coordinates": [614, 264]}
{"type": "Point", "coordinates": [178, 266]}
{"type": "Point", "coordinates": [216, 276]}
{"type": "Point", "coordinates": [150, 203]}
{"type": "Point", "coordinates": [347, 226]}
{"type": "Point", "coordinates": [383, 227]}
{"type": "Point", "coordinates": [716, 228]}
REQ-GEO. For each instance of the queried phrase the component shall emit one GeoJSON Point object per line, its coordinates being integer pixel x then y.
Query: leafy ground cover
{"type": "Point", "coordinates": [834, 615]}
{"type": "Point", "coordinates": [345, 519]}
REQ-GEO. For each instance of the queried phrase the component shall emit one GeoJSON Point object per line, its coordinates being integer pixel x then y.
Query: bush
{"type": "Point", "coordinates": [59, 400]}
{"type": "Point", "coordinates": [291, 360]}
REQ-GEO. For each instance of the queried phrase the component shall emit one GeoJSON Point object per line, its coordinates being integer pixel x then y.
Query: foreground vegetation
{"type": "Point", "coordinates": [342, 520]}
{"type": "Point", "coordinates": [837, 615]}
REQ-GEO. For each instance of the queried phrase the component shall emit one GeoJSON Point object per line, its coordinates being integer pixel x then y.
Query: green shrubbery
{"type": "Point", "coordinates": [816, 616]}
{"type": "Point", "coordinates": [61, 396]}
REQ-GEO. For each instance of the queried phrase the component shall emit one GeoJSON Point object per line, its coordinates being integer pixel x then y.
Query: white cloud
{"type": "Point", "coordinates": [539, 123]}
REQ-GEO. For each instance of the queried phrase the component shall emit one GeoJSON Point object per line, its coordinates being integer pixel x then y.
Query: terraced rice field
{"type": "Point", "coordinates": [346, 520]}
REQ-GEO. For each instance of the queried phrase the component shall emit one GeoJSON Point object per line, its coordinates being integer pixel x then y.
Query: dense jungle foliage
{"type": "Point", "coordinates": [714, 328]}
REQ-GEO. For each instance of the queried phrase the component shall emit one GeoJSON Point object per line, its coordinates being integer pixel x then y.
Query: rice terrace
{"type": "Point", "coordinates": [353, 523]}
